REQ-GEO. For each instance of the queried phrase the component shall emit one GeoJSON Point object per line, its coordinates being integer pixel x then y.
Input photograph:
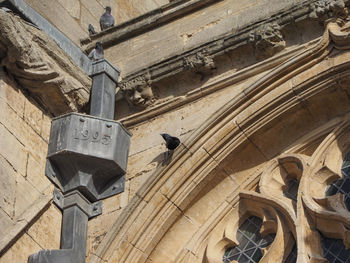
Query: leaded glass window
{"type": "Point", "coordinates": [250, 242]}
{"type": "Point", "coordinates": [334, 249]}
{"type": "Point", "coordinates": [342, 185]}
{"type": "Point", "coordinates": [292, 189]}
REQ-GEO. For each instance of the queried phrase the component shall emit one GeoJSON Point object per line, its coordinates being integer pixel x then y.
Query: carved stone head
{"type": "Point", "coordinates": [140, 96]}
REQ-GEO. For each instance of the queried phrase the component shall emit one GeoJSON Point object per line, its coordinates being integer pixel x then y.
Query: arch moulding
{"type": "Point", "coordinates": [306, 99]}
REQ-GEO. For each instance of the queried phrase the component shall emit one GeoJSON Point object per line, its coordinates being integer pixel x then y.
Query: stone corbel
{"type": "Point", "coordinates": [201, 63]}
{"type": "Point", "coordinates": [267, 40]}
{"type": "Point", "coordinates": [41, 67]}
{"type": "Point", "coordinates": [324, 10]}
{"type": "Point", "coordinates": [138, 91]}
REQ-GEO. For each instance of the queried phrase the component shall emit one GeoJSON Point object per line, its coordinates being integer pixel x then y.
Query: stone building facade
{"type": "Point", "coordinates": [257, 92]}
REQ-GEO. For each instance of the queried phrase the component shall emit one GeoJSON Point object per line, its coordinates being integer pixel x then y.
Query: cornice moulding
{"type": "Point", "coordinates": [210, 145]}
{"type": "Point", "coordinates": [145, 22]}
{"type": "Point", "coordinates": [211, 87]}
{"type": "Point", "coordinates": [213, 47]}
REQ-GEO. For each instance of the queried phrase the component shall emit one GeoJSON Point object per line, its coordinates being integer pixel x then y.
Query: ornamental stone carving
{"type": "Point", "coordinates": [267, 40]}
{"type": "Point", "coordinates": [326, 9]}
{"type": "Point", "coordinates": [41, 67]}
{"type": "Point", "coordinates": [303, 203]}
{"type": "Point", "coordinates": [200, 63]}
{"type": "Point", "coordinates": [138, 91]}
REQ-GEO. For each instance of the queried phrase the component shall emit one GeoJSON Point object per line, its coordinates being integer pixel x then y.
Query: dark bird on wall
{"type": "Point", "coordinates": [107, 20]}
{"type": "Point", "coordinates": [97, 53]}
{"type": "Point", "coordinates": [171, 141]}
{"type": "Point", "coordinates": [91, 30]}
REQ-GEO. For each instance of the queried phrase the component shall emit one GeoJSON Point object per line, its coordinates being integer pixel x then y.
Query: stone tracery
{"type": "Point", "coordinates": [318, 216]}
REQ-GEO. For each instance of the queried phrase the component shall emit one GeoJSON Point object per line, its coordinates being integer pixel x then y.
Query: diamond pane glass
{"type": "Point", "coordinates": [342, 185]}
{"type": "Point", "coordinates": [292, 189]}
{"type": "Point", "coordinates": [334, 249]}
{"type": "Point", "coordinates": [250, 242]}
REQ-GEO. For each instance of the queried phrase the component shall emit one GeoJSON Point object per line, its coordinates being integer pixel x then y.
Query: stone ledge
{"type": "Point", "coordinates": [148, 21]}
{"type": "Point", "coordinates": [25, 221]}
{"type": "Point", "coordinates": [213, 47]}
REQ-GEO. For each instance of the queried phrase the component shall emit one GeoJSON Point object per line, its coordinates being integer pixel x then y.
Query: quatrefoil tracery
{"type": "Point", "coordinates": [295, 204]}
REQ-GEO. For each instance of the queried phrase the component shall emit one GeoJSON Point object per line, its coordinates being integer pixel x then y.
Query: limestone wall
{"type": "Point", "coordinates": [25, 193]}
{"type": "Point", "coordinates": [72, 17]}
{"type": "Point", "coordinates": [31, 222]}
{"type": "Point", "coordinates": [189, 31]}
{"type": "Point", "coordinates": [128, 9]}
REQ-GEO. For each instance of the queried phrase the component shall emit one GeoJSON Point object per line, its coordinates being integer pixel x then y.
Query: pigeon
{"type": "Point", "coordinates": [171, 142]}
{"type": "Point", "coordinates": [91, 30]}
{"type": "Point", "coordinates": [107, 20]}
{"type": "Point", "coordinates": [97, 53]}
{"type": "Point", "coordinates": [7, 10]}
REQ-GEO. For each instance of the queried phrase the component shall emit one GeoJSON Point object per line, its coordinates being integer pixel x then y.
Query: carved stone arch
{"type": "Point", "coordinates": [327, 215]}
{"type": "Point", "coordinates": [269, 204]}
{"type": "Point", "coordinates": [236, 139]}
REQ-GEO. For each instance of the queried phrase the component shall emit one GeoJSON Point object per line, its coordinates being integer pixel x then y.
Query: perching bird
{"type": "Point", "coordinates": [171, 141]}
{"type": "Point", "coordinates": [107, 20]}
{"type": "Point", "coordinates": [97, 53]}
{"type": "Point", "coordinates": [6, 9]}
{"type": "Point", "coordinates": [91, 30]}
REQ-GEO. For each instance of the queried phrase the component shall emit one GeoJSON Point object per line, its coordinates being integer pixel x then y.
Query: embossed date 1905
{"type": "Point", "coordinates": [92, 135]}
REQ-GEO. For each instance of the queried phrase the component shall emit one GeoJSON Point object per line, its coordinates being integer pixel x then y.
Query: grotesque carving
{"type": "Point", "coordinates": [138, 92]}
{"type": "Point", "coordinates": [325, 9]}
{"type": "Point", "coordinates": [267, 40]}
{"type": "Point", "coordinates": [41, 67]}
{"type": "Point", "coordinates": [201, 63]}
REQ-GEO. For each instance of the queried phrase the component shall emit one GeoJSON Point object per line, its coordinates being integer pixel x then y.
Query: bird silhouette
{"type": "Point", "coordinates": [91, 30]}
{"type": "Point", "coordinates": [171, 141]}
{"type": "Point", "coordinates": [107, 20]}
{"type": "Point", "coordinates": [97, 53]}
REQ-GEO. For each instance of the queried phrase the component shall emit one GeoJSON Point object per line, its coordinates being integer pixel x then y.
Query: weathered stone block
{"type": "Point", "coordinates": [87, 18]}
{"type": "Point", "coordinates": [33, 116]}
{"type": "Point", "coordinates": [45, 130]}
{"type": "Point", "coordinates": [7, 186]}
{"type": "Point", "coordinates": [46, 230]}
{"type": "Point", "coordinates": [11, 95]}
{"type": "Point", "coordinates": [72, 6]}
{"type": "Point", "coordinates": [24, 133]}
{"type": "Point", "coordinates": [36, 174]}
{"type": "Point", "coordinates": [20, 250]}
{"type": "Point", "coordinates": [5, 223]}
{"type": "Point", "coordinates": [95, 8]}
{"type": "Point", "coordinates": [12, 150]}
{"type": "Point", "coordinates": [26, 195]}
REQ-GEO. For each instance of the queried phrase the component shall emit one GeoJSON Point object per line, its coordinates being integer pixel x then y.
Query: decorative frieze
{"type": "Point", "coordinates": [267, 40]}
{"type": "Point", "coordinates": [265, 36]}
{"type": "Point", "coordinates": [201, 63]}
{"type": "Point", "coordinates": [326, 9]}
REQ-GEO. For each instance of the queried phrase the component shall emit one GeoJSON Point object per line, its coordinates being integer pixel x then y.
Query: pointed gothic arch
{"type": "Point", "coordinates": [304, 98]}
